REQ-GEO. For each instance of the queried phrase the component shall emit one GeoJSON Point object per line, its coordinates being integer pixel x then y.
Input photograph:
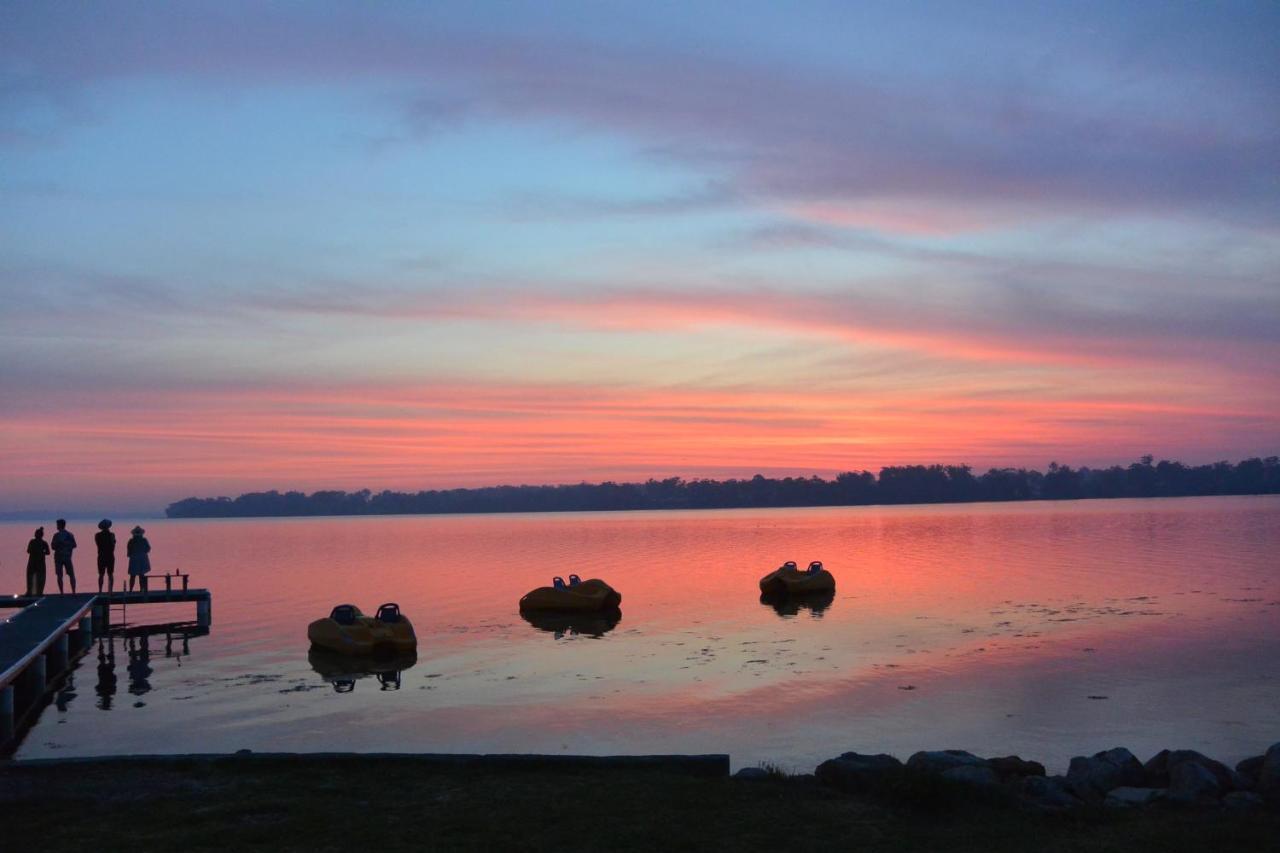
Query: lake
{"type": "Point", "coordinates": [1043, 629]}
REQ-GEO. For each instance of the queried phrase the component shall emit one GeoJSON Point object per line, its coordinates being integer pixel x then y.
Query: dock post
{"type": "Point", "coordinates": [101, 617]}
{"type": "Point", "coordinates": [58, 655]}
{"type": "Point", "coordinates": [84, 632]}
{"type": "Point", "coordinates": [204, 612]}
{"type": "Point", "coordinates": [8, 717]}
{"type": "Point", "coordinates": [36, 678]}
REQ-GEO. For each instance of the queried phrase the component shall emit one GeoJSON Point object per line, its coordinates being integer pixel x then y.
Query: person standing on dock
{"type": "Point", "coordinates": [106, 542]}
{"type": "Point", "coordinates": [63, 543]}
{"type": "Point", "coordinates": [37, 550]}
{"type": "Point", "coordinates": [139, 563]}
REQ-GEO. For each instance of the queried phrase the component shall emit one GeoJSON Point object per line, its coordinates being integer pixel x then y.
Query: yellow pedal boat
{"type": "Point", "coordinates": [574, 596]}
{"type": "Point", "coordinates": [789, 580]}
{"type": "Point", "coordinates": [349, 632]}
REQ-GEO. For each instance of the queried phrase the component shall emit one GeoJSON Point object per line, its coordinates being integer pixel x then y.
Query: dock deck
{"type": "Point", "coordinates": [36, 628]}
{"type": "Point", "coordinates": [153, 596]}
{"type": "Point", "coordinates": [40, 642]}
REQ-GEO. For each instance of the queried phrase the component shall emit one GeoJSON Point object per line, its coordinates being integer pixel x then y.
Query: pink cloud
{"type": "Point", "coordinates": [113, 447]}
{"type": "Point", "coordinates": [922, 218]}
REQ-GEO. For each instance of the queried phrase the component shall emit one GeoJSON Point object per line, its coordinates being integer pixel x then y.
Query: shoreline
{"type": "Point", "coordinates": [1110, 777]}
{"type": "Point", "coordinates": [152, 515]}
{"type": "Point", "coordinates": [771, 507]}
{"type": "Point", "coordinates": [284, 801]}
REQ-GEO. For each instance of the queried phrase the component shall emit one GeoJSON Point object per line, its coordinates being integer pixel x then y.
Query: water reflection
{"type": "Point", "coordinates": [790, 605]}
{"type": "Point", "coordinates": [343, 671]}
{"type": "Point", "coordinates": [139, 649]}
{"type": "Point", "coordinates": [106, 687]}
{"type": "Point", "coordinates": [66, 693]}
{"type": "Point", "coordinates": [989, 626]}
{"type": "Point", "coordinates": [136, 644]}
{"type": "Point", "coordinates": [593, 625]}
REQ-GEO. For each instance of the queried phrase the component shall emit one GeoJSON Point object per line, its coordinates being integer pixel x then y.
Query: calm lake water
{"type": "Point", "coordinates": [1045, 629]}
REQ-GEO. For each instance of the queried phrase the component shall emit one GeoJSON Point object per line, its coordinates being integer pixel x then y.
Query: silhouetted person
{"type": "Point", "coordinates": [106, 688]}
{"type": "Point", "coordinates": [106, 542]}
{"type": "Point", "coordinates": [139, 563]}
{"type": "Point", "coordinates": [37, 550]}
{"type": "Point", "coordinates": [63, 543]}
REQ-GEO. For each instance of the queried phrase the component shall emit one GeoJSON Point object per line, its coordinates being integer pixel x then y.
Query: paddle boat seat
{"type": "Point", "coordinates": [348, 631]}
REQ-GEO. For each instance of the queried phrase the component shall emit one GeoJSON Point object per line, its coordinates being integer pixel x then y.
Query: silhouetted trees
{"type": "Point", "coordinates": [901, 484]}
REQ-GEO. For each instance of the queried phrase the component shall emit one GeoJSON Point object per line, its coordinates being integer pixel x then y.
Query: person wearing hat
{"type": "Point", "coordinates": [106, 542]}
{"type": "Point", "coordinates": [37, 550]}
{"type": "Point", "coordinates": [139, 563]}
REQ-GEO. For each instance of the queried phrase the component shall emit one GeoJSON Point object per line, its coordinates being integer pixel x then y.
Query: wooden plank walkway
{"type": "Point", "coordinates": [31, 632]}
{"type": "Point", "coordinates": [154, 596]}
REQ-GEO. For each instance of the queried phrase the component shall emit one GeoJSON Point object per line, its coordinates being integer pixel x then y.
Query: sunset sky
{"type": "Point", "coordinates": [249, 246]}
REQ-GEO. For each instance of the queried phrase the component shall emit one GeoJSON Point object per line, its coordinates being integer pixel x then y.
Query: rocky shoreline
{"type": "Point", "coordinates": [1114, 778]}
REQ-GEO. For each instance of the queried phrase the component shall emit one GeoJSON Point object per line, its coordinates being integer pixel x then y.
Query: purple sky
{"type": "Point", "coordinates": [398, 245]}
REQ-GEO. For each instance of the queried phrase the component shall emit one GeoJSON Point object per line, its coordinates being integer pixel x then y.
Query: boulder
{"type": "Point", "coordinates": [1048, 793]}
{"type": "Point", "coordinates": [1242, 800]}
{"type": "Point", "coordinates": [972, 774]}
{"type": "Point", "coordinates": [1012, 767]}
{"type": "Point", "coordinates": [1160, 768]}
{"type": "Point", "coordinates": [1250, 768]}
{"type": "Point", "coordinates": [940, 761]}
{"type": "Point", "coordinates": [753, 774]}
{"type": "Point", "coordinates": [1092, 777]}
{"type": "Point", "coordinates": [853, 771]}
{"type": "Point", "coordinates": [1157, 769]}
{"type": "Point", "coordinates": [1268, 784]}
{"type": "Point", "coordinates": [1190, 782]}
{"type": "Point", "coordinates": [1125, 798]}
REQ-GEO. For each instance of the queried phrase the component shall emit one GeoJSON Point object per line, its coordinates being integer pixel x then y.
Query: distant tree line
{"type": "Point", "coordinates": [901, 484]}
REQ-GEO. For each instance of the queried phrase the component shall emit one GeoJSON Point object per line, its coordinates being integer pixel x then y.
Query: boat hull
{"type": "Point", "coordinates": [788, 581]}
{"type": "Point", "coordinates": [365, 636]}
{"type": "Point", "coordinates": [589, 596]}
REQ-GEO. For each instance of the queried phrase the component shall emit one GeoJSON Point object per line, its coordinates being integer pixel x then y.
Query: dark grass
{"type": "Point", "coordinates": [279, 804]}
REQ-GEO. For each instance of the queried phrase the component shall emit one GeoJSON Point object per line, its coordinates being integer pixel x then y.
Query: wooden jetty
{"type": "Point", "coordinates": [39, 644]}
{"type": "Point", "coordinates": [102, 601]}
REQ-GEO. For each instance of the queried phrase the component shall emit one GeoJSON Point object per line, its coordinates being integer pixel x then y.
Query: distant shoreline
{"type": "Point", "coordinates": [894, 486]}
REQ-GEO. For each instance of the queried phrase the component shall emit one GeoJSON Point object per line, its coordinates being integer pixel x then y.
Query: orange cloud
{"type": "Point", "coordinates": [224, 442]}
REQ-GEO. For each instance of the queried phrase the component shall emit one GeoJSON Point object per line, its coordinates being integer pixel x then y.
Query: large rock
{"type": "Point", "coordinates": [1130, 797]}
{"type": "Point", "coordinates": [853, 771]}
{"type": "Point", "coordinates": [1190, 782]}
{"type": "Point", "coordinates": [1048, 793]}
{"type": "Point", "coordinates": [972, 774]}
{"type": "Point", "coordinates": [752, 774]}
{"type": "Point", "coordinates": [1159, 768]}
{"type": "Point", "coordinates": [1011, 767]}
{"type": "Point", "coordinates": [1242, 800]}
{"type": "Point", "coordinates": [940, 761]}
{"type": "Point", "coordinates": [1250, 768]}
{"type": "Point", "coordinates": [1092, 777]}
{"type": "Point", "coordinates": [1268, 784]}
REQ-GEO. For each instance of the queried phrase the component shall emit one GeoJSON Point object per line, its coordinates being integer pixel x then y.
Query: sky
{"type": "Point", "coordinates": [420, 245]}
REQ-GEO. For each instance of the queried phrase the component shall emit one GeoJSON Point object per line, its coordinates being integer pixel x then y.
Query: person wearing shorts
{"type": "Point", "coordinates": [63, 543]}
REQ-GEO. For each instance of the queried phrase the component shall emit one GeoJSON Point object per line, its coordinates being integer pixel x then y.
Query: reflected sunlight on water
{"type": "Point", "coordinates": [1049, 629]}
